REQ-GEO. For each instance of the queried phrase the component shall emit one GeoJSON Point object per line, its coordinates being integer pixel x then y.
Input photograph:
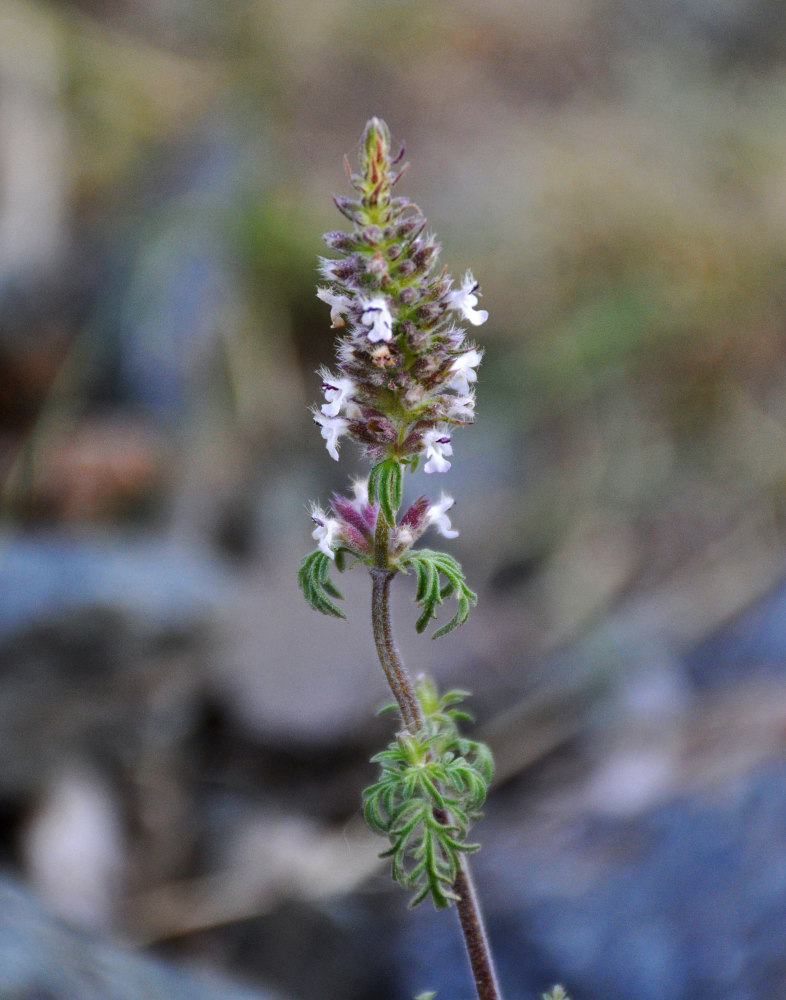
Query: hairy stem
{"type": "Point", "coordinates": [475, 939]}
{"type": "Point", "coordinates": [401, 684]}
{"type": "Point", "coordinates": [398, 677]}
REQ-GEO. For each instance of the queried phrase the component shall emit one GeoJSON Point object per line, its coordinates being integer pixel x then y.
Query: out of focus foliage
{"type": "Point", "coordinates": [618, 167]}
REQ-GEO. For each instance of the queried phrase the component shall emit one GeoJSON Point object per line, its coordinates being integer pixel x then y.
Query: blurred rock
{"type": "Point", "coordinates": [47, 576]}
{"type": "Point", "coordinates": [74, 848]}
{"type": "Point", "coordinates": [258, 863]}
{"type": "Point", "coordinates": [41, 958]}
{"type": "Point", "coordinates": [95, 470]}
{"type": "Point", "coordinates": [686, 899]}
{"type": "Point", "coordinates": [34, 144]}
{"type": "Point", "coordinates": [751, 645]}
{"type": "Point", "coordinates": [301, 679]}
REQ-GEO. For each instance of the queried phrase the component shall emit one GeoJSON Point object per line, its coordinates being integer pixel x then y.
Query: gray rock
{"type": "Point", "coordinates": [41, 959]}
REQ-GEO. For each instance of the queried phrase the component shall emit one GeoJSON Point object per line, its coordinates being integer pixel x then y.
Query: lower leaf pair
{"type": "Point", "coordinates": [431, 787]}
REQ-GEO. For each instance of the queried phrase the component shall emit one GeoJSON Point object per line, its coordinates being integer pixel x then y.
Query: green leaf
{"type": "Point", "coordinates": [314, 580]}
{"type": "Point", "coordinates": [430, 567]}
{"type": "Point", "coordinates": [385, 486]}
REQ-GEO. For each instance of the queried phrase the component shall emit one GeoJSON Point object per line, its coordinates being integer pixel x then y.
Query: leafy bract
{"type": "Point", "coordinates": [439, 576]}
{"type": "Point", "coordinates": [314, 580]}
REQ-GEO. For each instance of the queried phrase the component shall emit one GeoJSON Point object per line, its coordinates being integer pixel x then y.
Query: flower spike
{"type": "Point", "coordinates": [400, 353]}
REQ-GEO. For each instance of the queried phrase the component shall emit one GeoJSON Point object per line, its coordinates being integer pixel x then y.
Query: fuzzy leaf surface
{"type": "Point", "coordinates": [314, 580]}
{"type": "Point", "coordinates": [430, 789]}
{"type": "Point", "coordinates": [438, 576]}
{"type": "Point", "coordinates": [385, 485]}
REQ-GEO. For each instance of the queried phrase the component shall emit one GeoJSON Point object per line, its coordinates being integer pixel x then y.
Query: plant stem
{"type": "Point", "coordinates": [398, 677]}
{"type": "Point", "coordinates": [401, 684]}
{"type": "Point", "coordinates": [475, 938]}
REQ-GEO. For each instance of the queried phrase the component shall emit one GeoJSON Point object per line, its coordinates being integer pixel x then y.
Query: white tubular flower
{"type": "Point", "coordinates": [326, 532]}
{"type": "Point", "coordinates": [338, 392]}
{"type": "Point", "coordinates": [376, 315]}
{"type": "Point", "coordinates": [462, 409]}
{"type": "Point", "coordinates": [339, 304]}
{"type": "Point", "coordinates": [436, 445]}
{"type": "Point", "coordinates": [332, 429]}
{"type": "Point", "coordinates": [463, 369]}
{"type": "Point", "coordinates": [437, 517]}
{"type": "Point", "coordinates": [465, 301]}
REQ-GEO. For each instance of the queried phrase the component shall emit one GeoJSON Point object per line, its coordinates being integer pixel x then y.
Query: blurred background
{"type": "Point", "coordinates": [183, 742]}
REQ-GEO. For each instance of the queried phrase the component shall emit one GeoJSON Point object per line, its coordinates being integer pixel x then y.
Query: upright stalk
{"type": "Point", "coordinates": [404, 380]}
{"type": "Point", "coordinates": [398, 677]}
{"type": "Point", "coordinates": [475, 938]}
{"type": "Point", "coordinates": [400, 680]}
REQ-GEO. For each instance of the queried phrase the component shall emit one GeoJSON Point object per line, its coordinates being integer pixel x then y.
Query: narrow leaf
{"type": "Point", "coordinates": [317, 588]}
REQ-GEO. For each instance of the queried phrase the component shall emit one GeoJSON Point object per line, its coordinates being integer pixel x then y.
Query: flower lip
{"type": "Point", "coordinates": [339, 305]}
{"type": "Point", "coordinates": [327, 531]}
{"type": "Point", "coordinates": [338, 393]}
{"type": "Point", "coordinates": [461, 409]}
{"type": "Point", "coordinates": [465, 300]}
{"type": "Point", "coordinates": [376, 315]}
{"type": "Point", "coordinates": [436, 446]}
{"type": "Point", "coordinates": [463, 371]}
{"type": "Point", "coordinates": [437, 517]}
{"type": "Point", "coordinates": [332, 429]}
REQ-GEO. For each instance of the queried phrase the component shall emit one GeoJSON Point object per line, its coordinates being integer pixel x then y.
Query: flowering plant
{"type": "Point", "coordinates": [404, 380]}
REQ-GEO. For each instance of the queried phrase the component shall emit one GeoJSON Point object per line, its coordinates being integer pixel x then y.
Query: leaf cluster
{"type": "Point", "coordinates": [439, 576]}
{"type": "Point", "coordinates": [431, 787]}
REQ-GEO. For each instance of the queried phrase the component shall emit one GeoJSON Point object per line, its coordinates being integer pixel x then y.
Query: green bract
{"type": "Point", "coordinates": [384, 487]}
{"type": "Point", "coordinates": [314, 580]}
{"type": "Point", "coordinates": [432, 568]}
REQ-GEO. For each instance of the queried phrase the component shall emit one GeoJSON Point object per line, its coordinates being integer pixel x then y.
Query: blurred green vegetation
{"type": "Point", "coordinates": [613, 173]}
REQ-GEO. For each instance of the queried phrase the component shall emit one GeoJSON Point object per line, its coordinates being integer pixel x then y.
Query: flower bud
{"type": "Point", "coordinates": [346, 206]}
{"type": "Point", "coordinates": [375, 145]}
{"type": "Point", "coordinates": [342, 242]}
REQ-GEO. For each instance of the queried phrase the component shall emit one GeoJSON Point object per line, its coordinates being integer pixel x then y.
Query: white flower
{"type": "Point", "coordinates": [405, 536]}
{"type": "Point", "coordinates": [462, 409]}
{"type": "Point", "coordinates": [360, 489]}
{"type": "Point", "coordinates": [339, 304]}
{"type": "Point", "coordinates": [436, 445]}
{"type": "Point", "coordinates": [465, 300]}
{"type": "Point", "coordinates": [376, 315]}
{"type": "Point", "coordinates": [327, 531]}
{"type": "Point", "coordinates": [437, 517]}
{"type": "Point", "coordinates": [463, 369]}
{"type": "Point", "coordinates": [338, 392]}
{"type": "Point", "coordinates": [332, 429]}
